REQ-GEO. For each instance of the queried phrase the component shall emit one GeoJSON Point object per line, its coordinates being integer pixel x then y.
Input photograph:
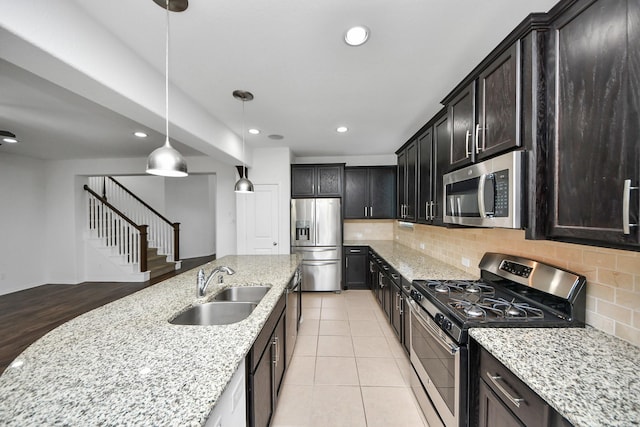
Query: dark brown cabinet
{"type": "Point", "coordinates": [462, 116]}
{"type": "Point", "coordinates": [433, 151]}
{"type": "Point", "coordinates": [407, 180]}
{"type": "Point", "coordinates": [266, 367]}
{"type": "Point", "coordinates": [324, 180]}
{"type": "Point", "coordinates": [484, 113]}
{"type": "Point", "coordinates": [505, 400]}
{"type": "Point", "coordinates": [356, 265]}
{"type": "Point", "coordinates": [370, 192]}
{"type": "Point", "coordinates": [593, 72]}
{"type": "Point", "coordinates": [498, 126]}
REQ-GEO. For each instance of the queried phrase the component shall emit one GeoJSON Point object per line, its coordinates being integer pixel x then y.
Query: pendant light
{"type": "Point", "coordinates": [243, 185]}
{"type": "Point", "coordinates": [166, 160]}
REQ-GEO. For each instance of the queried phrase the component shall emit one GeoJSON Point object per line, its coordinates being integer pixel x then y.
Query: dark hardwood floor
{"type": "Point", "coordinates": [27, 315]}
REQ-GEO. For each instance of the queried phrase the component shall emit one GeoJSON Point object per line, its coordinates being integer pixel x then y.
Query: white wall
{"type": "Point", "coordinates": [149, 188]}
{"type": "Point", "coordinates": [365, 160]}
{"type": "Point", "coordinates": [22, 222]}
{"type": "Point", "coordinates": [50, 193]}
{"type": "Point", "coordinates": [271, 166]}
{"type": "Point", "coordinates": [188, 202]}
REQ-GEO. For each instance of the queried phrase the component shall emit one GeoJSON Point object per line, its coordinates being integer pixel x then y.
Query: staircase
{"type": "Point", "coordinates": [136, 242]}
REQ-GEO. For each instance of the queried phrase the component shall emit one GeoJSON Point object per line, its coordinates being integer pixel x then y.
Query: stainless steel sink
{"type": "Point", "coordinates": [215, 313]}
{"type": "Point", "coordinates": [243, 293]}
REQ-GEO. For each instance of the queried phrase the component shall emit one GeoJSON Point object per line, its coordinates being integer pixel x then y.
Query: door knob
{"type": "Point", "coordinates": [275, 243]}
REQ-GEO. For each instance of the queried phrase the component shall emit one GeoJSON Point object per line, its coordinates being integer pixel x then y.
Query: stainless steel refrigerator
{"type": "Point", "coordinates": [316, 233]}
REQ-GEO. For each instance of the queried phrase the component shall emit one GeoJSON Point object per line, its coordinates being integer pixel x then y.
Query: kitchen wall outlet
{"type": "Point", "coordinates": [466, 262]}
{"type": "Point", "coordinates": [422, 245]}
{"type": "Point", "coordinates": [359, 235]}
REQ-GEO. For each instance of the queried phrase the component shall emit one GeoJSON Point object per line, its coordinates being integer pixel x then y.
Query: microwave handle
{"type": "Point", "coordinates": [481, 207]}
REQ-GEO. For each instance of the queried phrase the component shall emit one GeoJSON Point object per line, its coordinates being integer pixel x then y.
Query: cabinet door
{"type": "Point", "coordinates": [395, 295]}
{"type": "Point", "coordinates": [279, 339]}
{"type": "Point", "coordinates": [382, 192]}
{"type": "Point", "coordinates": [355, 193]}
{"type": "Point", "coordinates": [441, 144]}
{"type": "Point", "coordinates": [303, 181]}
{"type": "Point", "coordinates": [493, 412]}
{"type": "Point", "coordinates": [498, 127]}
{"type": "Point", "coordinates": [595, 130]}
{"type": "Point", "coordinates": [406, 324]}
{"type": "Point", "coordinates": [356, 267]}
{"type": "Point", "coordinates": [425, 176]}
{"type": "Point", "coordinates": [260, 395]}
{"type": "Point", "coordinates": [401, 184]}
{"type": "Point", "coordinates": [462, 113]}
{"type": "Point", "coordinates": [329, 181]}
{"type": "Point", "coordinates": [411, 181]}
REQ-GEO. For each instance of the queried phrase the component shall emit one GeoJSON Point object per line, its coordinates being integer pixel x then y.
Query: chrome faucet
{"type": "Point", "coordinates": [204, 281]}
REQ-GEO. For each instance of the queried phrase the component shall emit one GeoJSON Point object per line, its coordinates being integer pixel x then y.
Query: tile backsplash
{"type": "Point", "coordinates": [613, 276]}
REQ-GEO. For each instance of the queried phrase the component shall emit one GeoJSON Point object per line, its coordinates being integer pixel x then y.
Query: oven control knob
{"type": "Point", "coordinates": [446, 325]}
{"type": "Point", "coordinates": [416, 295]}
{"type": "Point", "coordinates": [439, 318]}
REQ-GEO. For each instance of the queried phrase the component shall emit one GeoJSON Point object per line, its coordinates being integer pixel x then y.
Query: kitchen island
{"type": "Point", "coordinates": [125, 364]}
{"type": "Point", "coordinates": [589, 377]}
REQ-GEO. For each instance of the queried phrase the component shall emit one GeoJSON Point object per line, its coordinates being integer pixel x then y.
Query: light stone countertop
{"type": "Point", "coordinates": [124, 364]}
{"type": "Point", "coordinates": [589, 377]}
{"type": "Point", "coordinates": [411, 264]}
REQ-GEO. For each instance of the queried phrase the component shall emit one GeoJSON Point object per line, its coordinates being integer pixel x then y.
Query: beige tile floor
{"type": "Point", "coordinates": [348, 368]}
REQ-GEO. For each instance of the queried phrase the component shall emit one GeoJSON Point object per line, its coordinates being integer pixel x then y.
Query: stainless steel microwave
{"type": "Point", "coordinates": [486, 194]}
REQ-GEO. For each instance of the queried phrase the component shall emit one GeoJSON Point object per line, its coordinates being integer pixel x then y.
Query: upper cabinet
{"type": "Point", "coordinates": [317, 180]}
{"type": "Point", "coordinates": [484, 111]}
{"type": "Point", "coordinates": [370, 192]}
{"type": "Point", "coordinates": [433, 158]}
{"type": "Point", "coordinates": [407, 180]}
{"type": "Point", "coordinates": [593, 72]}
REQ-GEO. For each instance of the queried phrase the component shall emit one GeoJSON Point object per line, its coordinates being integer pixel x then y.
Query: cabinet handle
{"type": "Point", "coordinates": [395, 276]}
{"type": "Point", "coordinates": [626, 194]}
{"type": "Point", "coordinates": [466, 144]}
{"type": "Point", "coordinates": [477, 138]}
{"type": "Point", "coordinates": [274, 346]}
{"type": "Point", "coordinates": [346, 260]}
{"type": "Point", "coordinates": [494, 379]}
{"type": "Point", "coordinates": [365, 211]}
{"type": "Point", "coordinates": [370, 210]}
{"type": "Point", "coordinates": [401, 305]}
{"type": "Point", "coordinates": [354, 251]}
{"type": "Point", "coordinates": [433, 215]}
{"type": "Point", "coordinates": [371, 267]}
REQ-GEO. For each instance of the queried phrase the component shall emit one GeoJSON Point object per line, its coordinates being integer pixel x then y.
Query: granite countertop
{"type": "Point", "coordinates": [125, 364]}
{"type": "Point", "coordinates": [589, 377]}
{"type": "Point", "coordinates": [410, 263]}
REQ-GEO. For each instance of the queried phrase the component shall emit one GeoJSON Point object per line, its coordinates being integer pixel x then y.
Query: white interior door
{"type": "Point", "coordinates": [262, 220]}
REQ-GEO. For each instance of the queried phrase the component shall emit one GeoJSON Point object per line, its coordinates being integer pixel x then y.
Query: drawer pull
{"type": "Point", "coordinates": [494, 379]}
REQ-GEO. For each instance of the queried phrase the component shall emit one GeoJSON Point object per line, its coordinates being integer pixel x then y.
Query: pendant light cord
{"type": "Point", "coordinates": [166, 79]}
{"type": "Point", "coordinates": [244, 166]}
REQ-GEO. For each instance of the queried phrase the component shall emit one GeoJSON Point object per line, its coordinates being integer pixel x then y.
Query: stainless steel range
{"type": "Point", "coordinates": [512, 292]}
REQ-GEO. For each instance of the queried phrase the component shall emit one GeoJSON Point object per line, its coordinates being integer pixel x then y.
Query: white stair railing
{"type": "Point", "coordinates": [126, 238]}
{"type": "Point", "coordinates": [162, 233]}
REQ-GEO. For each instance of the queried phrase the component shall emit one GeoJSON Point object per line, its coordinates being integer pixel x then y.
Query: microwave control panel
{"type": "Point", "coordinates": [501, 206]}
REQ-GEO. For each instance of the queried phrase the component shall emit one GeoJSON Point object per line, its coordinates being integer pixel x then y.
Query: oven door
{"type": "Point", "coordinates": [441, 366]}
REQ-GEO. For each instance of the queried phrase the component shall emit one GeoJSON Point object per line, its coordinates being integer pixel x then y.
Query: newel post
{"type": "Point", "coordinates": [143, 247]}
{"type": "Point", "coordinates": [176, 241]}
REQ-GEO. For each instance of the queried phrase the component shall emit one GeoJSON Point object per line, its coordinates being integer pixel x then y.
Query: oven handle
{"type": "Point", "coordinates": [415, 309]}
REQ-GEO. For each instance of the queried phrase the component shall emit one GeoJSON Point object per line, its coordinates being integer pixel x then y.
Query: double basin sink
{"type": "Point", "coordinates": [229, 306]}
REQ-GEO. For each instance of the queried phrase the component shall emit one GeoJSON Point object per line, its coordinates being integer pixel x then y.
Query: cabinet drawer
{"type": "Point", "coordinates": [516, 395]}
{"type": "Point", "coordinates": [264, 338]}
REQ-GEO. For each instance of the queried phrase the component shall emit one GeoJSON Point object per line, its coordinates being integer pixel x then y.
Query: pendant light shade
{"type": "Point", "coordinates": [243, 185]}
{"type": "Point", "coordinates": [166, 160]}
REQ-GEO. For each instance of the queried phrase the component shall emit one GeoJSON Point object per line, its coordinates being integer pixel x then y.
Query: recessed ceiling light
{"type": "Point", "coordinates": [254, 131]}
{"type": "Point", "coordinates": [356, 36]}
{"type": "Point", "coordinates": [8, 137]}
{"type": "Point", "coordinates": [342, 129]}
{"type": "Point", "coordinates": [140, 134]}
{"type": "Point", "coordinates": [275, 136]}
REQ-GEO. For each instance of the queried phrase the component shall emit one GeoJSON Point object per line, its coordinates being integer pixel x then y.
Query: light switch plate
{"type": "Point", "coordinates": [466, 262]}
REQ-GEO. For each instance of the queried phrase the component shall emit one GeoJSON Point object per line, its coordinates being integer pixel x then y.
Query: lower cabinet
{"type": "Point", "coordinates": [355, 267]}
{"type": "Point", "coordinates": [230, 409]}
{"type": "Point", "coordinates": [396, 312]}
{"type": "Point", "coordinates": [405, 315]}
{"type": "Point", "coordinates": [504, 400]}
{"type": "Point", "coordinates": [265, 368]}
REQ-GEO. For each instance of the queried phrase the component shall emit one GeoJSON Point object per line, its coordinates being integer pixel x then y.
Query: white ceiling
{"type": "Point", "coordinates": [290, 54]}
